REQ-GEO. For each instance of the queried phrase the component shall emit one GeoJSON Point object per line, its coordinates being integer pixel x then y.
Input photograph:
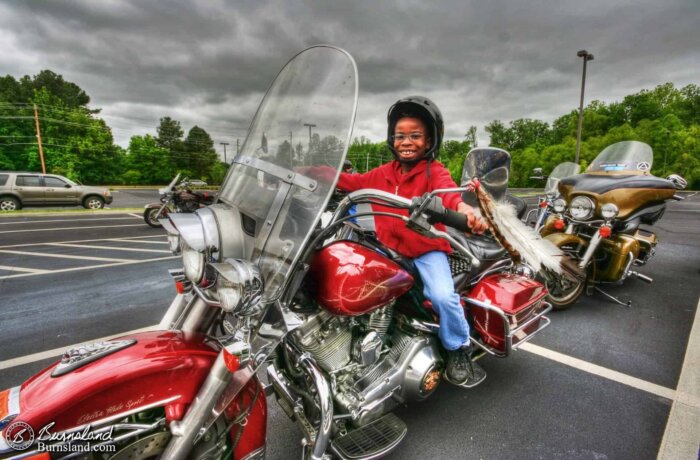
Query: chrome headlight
{"type": "Point", "coordinates": [559, 205]}
{"type": "Point", "coordinates": [581, 208]}
{"type": "Point", "coordinates": [193, 262]}
{"type": "Point", "coordinates": [609, 211]}
{"type": "Point", "coordinates": [240, 286]}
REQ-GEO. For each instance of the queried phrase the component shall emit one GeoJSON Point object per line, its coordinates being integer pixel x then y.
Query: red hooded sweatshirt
{"type": "Point", "coordinates": [389, 178]}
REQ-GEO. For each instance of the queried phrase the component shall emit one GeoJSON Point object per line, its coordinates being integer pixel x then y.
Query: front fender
{"type": "Point", "coordinates": [153, 206]}
{"type": "Point", "coordinates": [162, 369]}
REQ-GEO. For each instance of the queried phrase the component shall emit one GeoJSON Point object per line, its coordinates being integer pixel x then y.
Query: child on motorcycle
{"type": "Point", "coordinates": [414, 135]}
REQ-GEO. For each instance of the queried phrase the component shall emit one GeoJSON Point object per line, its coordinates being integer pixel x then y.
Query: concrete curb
{"type": "Point", "coordinates": [682, 436]}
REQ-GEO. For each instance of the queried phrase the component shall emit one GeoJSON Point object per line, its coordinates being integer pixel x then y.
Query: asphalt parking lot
{"type": "Point", "coordinates": [601, 382]}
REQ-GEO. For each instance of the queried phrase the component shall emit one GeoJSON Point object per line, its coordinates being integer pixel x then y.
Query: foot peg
{"type": "Point", "coordinates": [373, 440]}
{"type": "Point", "coordinates": [644, 278]}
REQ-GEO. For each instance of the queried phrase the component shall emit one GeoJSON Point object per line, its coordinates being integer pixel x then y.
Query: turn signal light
{"type": "Point", "coordinates": [180, 287]}
{"type": "Point", "coordinates": [543, 204]}
{"type": "Point", "coordinates": [605, 231]}
{"type": "Point", "coordinates": [232, 362]}
{"type": "Point", "coordinates": [559, 224]}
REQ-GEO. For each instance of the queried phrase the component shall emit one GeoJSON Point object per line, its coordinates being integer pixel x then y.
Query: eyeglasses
{"type": "Point", "coordinates": [400, 137]}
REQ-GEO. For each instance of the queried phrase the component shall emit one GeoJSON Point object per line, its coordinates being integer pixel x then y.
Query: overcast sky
{"type": "Point", "coordinates": [209, 62]}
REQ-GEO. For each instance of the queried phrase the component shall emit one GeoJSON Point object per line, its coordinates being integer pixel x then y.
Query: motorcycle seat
{"type": "Point", "coordinates": [483, 247]}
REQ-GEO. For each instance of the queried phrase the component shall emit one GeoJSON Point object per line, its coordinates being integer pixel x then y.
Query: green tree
{"type": "Point", "coordinates": [146, 162]}
{"type": "Point", "coordinates": [199, 153]}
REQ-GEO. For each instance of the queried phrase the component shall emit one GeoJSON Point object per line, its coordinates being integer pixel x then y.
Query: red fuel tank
{"type": "Point", "coordinates": [351, 279]}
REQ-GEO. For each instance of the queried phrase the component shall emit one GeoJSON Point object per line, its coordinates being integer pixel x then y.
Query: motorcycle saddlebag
{"type": "Point", "coordinates": [507, 310]}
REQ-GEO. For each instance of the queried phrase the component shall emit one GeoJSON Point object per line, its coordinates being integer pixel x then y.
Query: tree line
{"type": "Point", "coordinates": [80, 145]}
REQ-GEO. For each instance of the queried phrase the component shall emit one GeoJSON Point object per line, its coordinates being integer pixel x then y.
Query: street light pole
{"type": "Point", "coordinates": [224, 144]}
{"type": "Point", "coordinates": [310, 125]}
{"type": "Point", "coordinates": [586, 57]}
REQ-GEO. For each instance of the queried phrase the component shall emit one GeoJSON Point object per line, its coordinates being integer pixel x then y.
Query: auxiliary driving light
{"type": "Point", "coordinates": [609, 211]}
{"type": "Point", "coordinates": [559, 205]}
{"type": "Point", "coordinates": [239, 287]}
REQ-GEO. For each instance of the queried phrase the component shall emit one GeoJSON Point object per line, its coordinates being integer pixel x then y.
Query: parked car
{"type": "Point", "coordinates": [18, 189]}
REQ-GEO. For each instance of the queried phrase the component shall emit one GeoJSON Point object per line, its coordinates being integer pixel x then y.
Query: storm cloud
{"type": "Point", "coordinates": [209, 63]}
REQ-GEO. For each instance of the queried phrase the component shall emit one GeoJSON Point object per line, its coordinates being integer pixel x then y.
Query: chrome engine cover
{"type": "Point", "coordinates": [369, 376]}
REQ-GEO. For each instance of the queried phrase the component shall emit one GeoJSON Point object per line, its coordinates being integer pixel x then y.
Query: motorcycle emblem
{"type": "Point", "coordinates": [643, 166]}
{"type": "Point", "coordinates": [81, 355]}
{"type": "Point", "coordinates": [19, 436]}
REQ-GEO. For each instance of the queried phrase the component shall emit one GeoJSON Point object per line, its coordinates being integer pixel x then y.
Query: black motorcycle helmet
{"type": "Point", "coordinates": [424, 109]}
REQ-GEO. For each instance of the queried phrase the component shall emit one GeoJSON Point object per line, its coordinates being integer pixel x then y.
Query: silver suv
{"type": "Point", "coordinates": [19, 189]}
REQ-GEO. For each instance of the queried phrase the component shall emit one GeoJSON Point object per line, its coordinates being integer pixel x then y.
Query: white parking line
{"type": "Point", "coordinates": [28, 359]}
{"type": "Point", "coordinates": [70, 228]}
{"type": "Point", "coordinates": [75, 269]}
{"type": "Point", "coordinates": [62, 256]}
{"type": "Point", "coordinates": [135, 215]}
{"type": "Point", "coordinates": [18, 269]}
{"type": "Point", "coordinates": [124, 240]}
{"type": "Point", "coordinates": [80, 241]}
{"type": "Point", "coordinates": [682, 435]}
{"type": "Point", "coordinates": [89, 246]}
{"type": "Point", "coordinates": [64, 220]}
{"type": "Point", "coordinates": [600, 371]}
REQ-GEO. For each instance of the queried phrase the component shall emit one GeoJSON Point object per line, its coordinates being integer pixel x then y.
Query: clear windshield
{"type": "Point", "coordinates": [288, 166]}
{"type": "Point", "coordinates": [630, 156]}
{"type": "Point", "coordinates": [492, 166]}
{"type": "Point", "coordinates": [170, 186]}
{"type": "Point", "coordinates": [562, 170]}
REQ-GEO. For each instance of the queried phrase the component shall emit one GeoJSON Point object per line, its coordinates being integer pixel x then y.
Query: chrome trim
{"type": "Point", "coordinates": [13, 401]}
{"type": "Point", "coordinates": [499, 266]}
{"type": "Point", "coordinates": [185, 431]}
{"type": "Point", "coordinates": [81, 355]}
{"type": "Point", "coordinates": [509, 334]}
{"type": "Point", "coordinates": [194, 315]}
{"type": "Point", "coordinates": [283, 174]}
{"type": "Point", "coordinates": [177, 306]}
{"type": "Point", "coordinates": [592, 246]}
{"type": "Point", "coordinates": [323, 391]}
{"type": "Point", "coordinates": [191, 230]}
{"type": "Point", "coordinates": [257, 454]}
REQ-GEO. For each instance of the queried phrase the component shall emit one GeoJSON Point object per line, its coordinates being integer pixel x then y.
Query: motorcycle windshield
{"type": "Point", "coordinates": [562, 170]}
{"type": "Point", "coordinates": [492, 166]}
{"type": "Point", "coordinates": [630, 156]}
{"type": "Point", "coordinates": [286, 171]}
{"type": "Point", "coordinates": [170, 186]}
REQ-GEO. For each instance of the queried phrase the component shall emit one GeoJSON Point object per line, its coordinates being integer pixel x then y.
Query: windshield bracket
{"type": "Point", "coordinates": [283, 174]}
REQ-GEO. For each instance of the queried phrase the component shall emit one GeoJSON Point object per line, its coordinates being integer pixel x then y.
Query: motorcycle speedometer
{"type": "Point", "coordinates": [581, 208]}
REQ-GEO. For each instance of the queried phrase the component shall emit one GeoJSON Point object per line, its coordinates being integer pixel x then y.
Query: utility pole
{"type": "Point", "coordinates": [224, 144]}
{"type": "Point", "coordinates": [38, 138]}
{"type": "Point", "coordinates": [586, 57]}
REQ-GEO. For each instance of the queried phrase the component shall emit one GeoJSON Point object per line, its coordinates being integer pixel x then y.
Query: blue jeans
{"type": "Point", "coordinates": [438, 288]}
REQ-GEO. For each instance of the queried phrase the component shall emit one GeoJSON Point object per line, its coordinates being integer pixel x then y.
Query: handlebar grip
{"type": "Point", "coordinates": [455, 220]}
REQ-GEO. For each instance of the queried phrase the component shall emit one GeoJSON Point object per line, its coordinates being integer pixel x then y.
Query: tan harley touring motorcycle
{"type": "Point", "coordinates": [602, 220]}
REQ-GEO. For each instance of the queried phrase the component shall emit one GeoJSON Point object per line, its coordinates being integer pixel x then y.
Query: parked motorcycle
{"type": "Point", "coordinates": [177, 197]}
{"type": "Point", "coordinates": [336, 319]}
{"type": "Point", "coordinates": [598, 220]}
{"type": "Point", "coordinates": [545, 203]}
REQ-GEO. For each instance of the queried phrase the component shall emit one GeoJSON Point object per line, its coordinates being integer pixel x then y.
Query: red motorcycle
{"type": "Point", "coordinates": [177, 197]}
{"type": "Point", "coordinates": [336, 319]}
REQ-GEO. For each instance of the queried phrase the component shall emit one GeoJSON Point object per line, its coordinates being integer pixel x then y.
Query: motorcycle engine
{"type": "Point", "coordinates": [371, 369]}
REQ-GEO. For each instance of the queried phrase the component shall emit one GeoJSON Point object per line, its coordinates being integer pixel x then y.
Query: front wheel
{"type": "Point", "coordinates": [93, 202]}
{"type": "Point", "coordinates": [151, 216]}
{"type": "Point", "coordinates": [563, 291]}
